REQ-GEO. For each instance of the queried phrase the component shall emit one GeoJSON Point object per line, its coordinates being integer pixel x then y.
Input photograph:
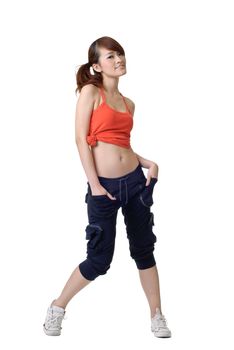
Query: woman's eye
{"type": "Point", "coordinates": [120, 54]}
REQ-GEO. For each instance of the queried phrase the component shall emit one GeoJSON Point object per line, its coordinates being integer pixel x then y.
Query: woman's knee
{"type": "Point", "coordinates": [99, 252]}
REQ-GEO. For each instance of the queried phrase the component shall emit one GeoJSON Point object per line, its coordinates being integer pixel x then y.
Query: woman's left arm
{"type": "Point", "coordinates": [145, 163]}
{"type": "Point", "coordinates": [150, 165]}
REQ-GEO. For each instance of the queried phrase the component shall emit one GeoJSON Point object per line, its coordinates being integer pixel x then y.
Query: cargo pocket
{"type": "Point", "coordinates": [94, 234]}
{"type": "Point", "coordinates": [146, 193]}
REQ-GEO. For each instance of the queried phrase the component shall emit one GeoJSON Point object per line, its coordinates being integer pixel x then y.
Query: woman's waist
{"type": "Point", "coordinates": [113, 161]}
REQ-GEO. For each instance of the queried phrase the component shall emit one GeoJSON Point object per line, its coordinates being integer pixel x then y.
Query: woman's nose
{"type": "Point", "coordinates": [119, 61]}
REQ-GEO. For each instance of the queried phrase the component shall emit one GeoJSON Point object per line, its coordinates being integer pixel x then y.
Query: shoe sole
{"type": "Point", "coordinates": [161, 335]}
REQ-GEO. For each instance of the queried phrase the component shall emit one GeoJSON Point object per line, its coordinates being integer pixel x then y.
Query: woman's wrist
{"type": "Point", "coordinates": [152, 164]}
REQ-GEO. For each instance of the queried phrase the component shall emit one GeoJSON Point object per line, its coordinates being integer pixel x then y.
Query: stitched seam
{"type": "Point", "coordinates": [148, 206]}
{"type": "Point", "coordinates": [141, 199]}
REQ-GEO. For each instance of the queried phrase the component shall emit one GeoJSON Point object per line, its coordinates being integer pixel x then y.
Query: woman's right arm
{"type": "Point", "coordinates": [83, 113]}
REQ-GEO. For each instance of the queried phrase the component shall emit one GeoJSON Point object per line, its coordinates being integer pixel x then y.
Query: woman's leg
{"type": "Point", "coordinates": [150, 283]}
{"type": "Point", "coordinates": [74, 284]}
{"type": "Point", "coordinates": [139, 222]}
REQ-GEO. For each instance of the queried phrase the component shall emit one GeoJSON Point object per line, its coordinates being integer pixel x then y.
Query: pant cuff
{"type": "Point", "coordinates": [87, 270]}
{"type": "Point", "coordinates": [146, 262]}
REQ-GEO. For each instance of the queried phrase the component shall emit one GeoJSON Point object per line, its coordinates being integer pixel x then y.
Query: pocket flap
{"type": "Point", "coordinates": [93, 234]}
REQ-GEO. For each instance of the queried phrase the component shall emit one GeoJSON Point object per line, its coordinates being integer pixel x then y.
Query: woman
{"type": "Point", "coordinates": [104, 119]}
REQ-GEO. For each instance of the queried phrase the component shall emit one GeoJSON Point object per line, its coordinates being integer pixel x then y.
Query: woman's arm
{"type": "Point", "coordinates": [82, 120]}
{"type": "Point", "coordinates": [145, 163]}
{"type": "Point", "coordinates": [148, 164]}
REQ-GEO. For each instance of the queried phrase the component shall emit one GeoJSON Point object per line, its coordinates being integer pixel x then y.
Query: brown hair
{"type": "Point", "coordinates": [83, 75]}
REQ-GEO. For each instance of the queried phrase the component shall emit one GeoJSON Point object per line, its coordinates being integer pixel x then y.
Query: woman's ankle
{"type": "Point", "coordinates": [153, 312]}
{"type": "Point", "coordinates": [56, 302]}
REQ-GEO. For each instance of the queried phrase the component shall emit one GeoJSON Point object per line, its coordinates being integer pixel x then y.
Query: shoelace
{"type": "Point", "coordinates": [161, 320]}
{"type": "Point", "coordinates": [55, 319]}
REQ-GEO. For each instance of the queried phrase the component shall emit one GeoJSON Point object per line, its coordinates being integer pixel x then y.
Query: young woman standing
{"type": "Point", "coordinates": [104, 120]}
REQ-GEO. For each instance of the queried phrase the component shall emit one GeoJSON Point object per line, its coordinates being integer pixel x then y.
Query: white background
{"type": "Point", "coordinates": [180, 76]}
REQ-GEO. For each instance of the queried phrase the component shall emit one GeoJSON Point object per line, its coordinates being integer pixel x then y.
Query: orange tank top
{"type": "Point", "coordinates": [109, 125]}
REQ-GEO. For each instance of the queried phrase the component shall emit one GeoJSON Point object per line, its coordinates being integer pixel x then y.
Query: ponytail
{"type": "Point", "coordinates": [84, 76]}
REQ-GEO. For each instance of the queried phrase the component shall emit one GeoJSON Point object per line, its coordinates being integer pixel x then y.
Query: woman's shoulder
{"type": "Point", "coordinates": [91, 88]}
{"type": "Point", "coordinates": [90, 91]}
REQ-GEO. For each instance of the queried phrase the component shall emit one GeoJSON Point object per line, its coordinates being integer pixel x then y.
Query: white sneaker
{"type": "Point", "coordinates": [159, 325]}
{"type": "Point", "coordinates": [54, 317]}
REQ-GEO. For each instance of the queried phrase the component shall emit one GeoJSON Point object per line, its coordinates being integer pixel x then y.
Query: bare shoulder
{"type": "Point", "coordinates": [130, 104]}
{"type": "Point", "coordinates": [88, 96]}
{"type": "Point", "coordinates": [89, 89]}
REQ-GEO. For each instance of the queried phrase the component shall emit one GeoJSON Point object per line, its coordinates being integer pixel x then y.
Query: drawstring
{"type": "Point", "coordinates": [126, 188]}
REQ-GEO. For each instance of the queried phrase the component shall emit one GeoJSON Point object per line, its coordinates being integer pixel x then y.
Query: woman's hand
{"type": "Point", "coordinates": [152, 172]}
{"type": "Point", "coordinates": [99, 190]}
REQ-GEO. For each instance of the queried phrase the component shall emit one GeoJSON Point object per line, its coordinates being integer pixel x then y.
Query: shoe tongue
{"type": "Point", "coordinates": [58, 308]}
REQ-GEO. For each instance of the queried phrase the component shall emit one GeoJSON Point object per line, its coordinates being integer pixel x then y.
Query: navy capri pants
{"type": "Point", "coordinates": [135, 200]}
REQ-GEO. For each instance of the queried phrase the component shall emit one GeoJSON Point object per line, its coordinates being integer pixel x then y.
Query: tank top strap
{"type": "Point", "coordinates": [125, 103]}
{"type": "Point", "coordinates": [102, 94]}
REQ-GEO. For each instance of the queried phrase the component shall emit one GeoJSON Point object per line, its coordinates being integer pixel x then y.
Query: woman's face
{"type": "Point", "coordinates": [111, 63]}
